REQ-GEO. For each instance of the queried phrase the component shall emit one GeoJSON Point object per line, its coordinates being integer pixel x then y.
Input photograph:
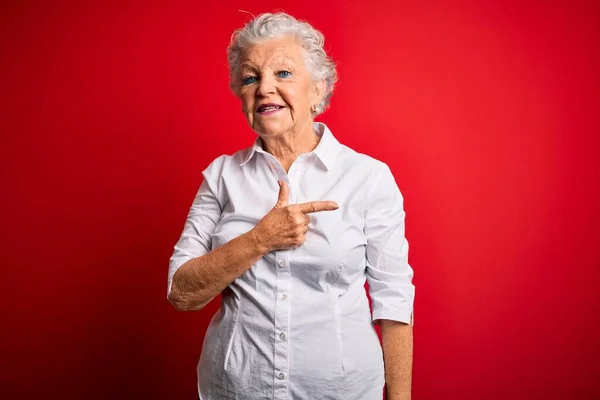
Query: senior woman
{"type": "Point", "coordinates": [287, 231]}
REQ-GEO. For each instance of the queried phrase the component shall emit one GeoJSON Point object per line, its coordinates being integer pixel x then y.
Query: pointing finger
{"type": "Point", "coordinates": [316, 206]}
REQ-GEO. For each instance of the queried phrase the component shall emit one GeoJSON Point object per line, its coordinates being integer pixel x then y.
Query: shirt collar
{"type": "Point", "coordinates": [327, 149]}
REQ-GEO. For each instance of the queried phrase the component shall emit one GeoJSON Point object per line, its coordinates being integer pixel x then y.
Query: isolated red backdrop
{"type": "Point", "coordinates": [487, 113]}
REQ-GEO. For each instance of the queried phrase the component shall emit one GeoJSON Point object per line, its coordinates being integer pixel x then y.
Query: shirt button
{"type": "Point", "coordinates": [281, 375]}
{"type": "Point", "coordinates": [283, 297]}
{"type": "Point", "coordinates": [282, 336]}
{"type": "Point", "coordinates": [282, 263]}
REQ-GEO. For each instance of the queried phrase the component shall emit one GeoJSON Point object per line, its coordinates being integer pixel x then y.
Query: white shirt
{"type": "Point", "coordinates": [297, 324]}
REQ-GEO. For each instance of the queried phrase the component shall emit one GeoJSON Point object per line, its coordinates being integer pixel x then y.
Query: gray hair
{"type": "Point", "coordinates": [269, 26]}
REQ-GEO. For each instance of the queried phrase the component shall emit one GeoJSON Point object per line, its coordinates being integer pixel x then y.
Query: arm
{"type": "Point", "coordinates": [397, 342]}
{"type": "Point", "coordinates": [390, 280]}
{"type": "Point", "coordinates": [201, 279]}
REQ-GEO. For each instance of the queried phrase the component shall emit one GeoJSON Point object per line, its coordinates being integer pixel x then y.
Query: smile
{"type": "Point", "coordinates": [268, 109]}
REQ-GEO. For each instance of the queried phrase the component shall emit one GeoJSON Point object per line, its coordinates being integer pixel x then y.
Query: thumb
{"type": "Point", "coordinates": [284, 194]}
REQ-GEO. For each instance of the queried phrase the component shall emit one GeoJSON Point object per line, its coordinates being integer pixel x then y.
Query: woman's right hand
{"type": "Point", "coordinates": [285, 226]}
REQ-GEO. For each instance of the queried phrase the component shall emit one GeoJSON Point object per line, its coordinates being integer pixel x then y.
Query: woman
{"type": "Point", "coordinates": [287, 231]}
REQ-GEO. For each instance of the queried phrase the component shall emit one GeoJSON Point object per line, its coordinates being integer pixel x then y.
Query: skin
{"type": "Point", "coordinates": [397, 343]}
{"type": "Point", "coordinates": [274, 72]}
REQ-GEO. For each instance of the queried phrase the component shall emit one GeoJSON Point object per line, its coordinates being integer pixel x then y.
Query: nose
{"type": "Point", "coordinates": [266, 85]}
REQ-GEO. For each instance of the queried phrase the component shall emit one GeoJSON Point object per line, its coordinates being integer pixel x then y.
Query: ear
{"type": "Point", "coordinates": [319, 91]}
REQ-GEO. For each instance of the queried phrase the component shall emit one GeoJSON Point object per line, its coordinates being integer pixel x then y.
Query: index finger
{"type": "Point", "coordinates": [316, 206]}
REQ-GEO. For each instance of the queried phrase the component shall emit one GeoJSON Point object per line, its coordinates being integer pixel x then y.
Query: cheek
{"type": "Point", "coordinates": [294, 96]}
{"type": "Point", "coordinates": [310, 94]}
{"type": "Point", "coordinates": [247, 102]}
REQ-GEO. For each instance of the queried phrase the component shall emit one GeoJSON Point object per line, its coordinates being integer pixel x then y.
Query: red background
{"type": "Point", "coordinates": [487, 113]}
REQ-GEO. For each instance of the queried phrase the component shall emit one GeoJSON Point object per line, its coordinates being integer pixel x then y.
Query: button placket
{"type": "Point", "coordinates": [282, 315]}
{"type": "Point", "coordinates": [282, 306]}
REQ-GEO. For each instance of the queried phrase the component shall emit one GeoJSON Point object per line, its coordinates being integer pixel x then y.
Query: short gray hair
{"type": "Point", "coordinates": [269, 26]}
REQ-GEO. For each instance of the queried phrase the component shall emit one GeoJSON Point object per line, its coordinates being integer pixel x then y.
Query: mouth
{"type": "Point", "coordinates": [267, 109]}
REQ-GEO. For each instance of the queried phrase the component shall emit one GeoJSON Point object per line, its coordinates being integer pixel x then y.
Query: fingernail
{"type": "Point", "coordinates": [335, 206]}
{"type": "Point", "coordinates": [278, 182]}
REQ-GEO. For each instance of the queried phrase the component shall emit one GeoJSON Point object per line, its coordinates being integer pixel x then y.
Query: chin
{"type": "Point", "coordinates": [271, 129]}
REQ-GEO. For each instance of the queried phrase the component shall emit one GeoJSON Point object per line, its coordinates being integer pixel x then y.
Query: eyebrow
{"type": "Point", "coordinates": [283, 62]}
{"type": "Point", "coordinates": [248, 66]}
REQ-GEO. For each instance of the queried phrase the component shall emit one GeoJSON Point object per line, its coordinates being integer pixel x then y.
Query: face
{"type": "Point", "coordinates": [276, 89]}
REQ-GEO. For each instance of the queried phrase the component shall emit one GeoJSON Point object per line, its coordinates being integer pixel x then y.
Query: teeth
{"type": "Point", "coordinates": [269, 108]}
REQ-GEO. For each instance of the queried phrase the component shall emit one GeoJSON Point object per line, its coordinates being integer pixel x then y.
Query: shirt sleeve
{"type": "Point", "coordinates": [389, 274]}
{"type": "Point", "coordinates": [204, 214]}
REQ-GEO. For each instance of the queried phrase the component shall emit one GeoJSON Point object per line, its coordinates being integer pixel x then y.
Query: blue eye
{"type": "Point", "coordinates": [284, 74]}
{"type": "Point", "coordinates": [249, 79]}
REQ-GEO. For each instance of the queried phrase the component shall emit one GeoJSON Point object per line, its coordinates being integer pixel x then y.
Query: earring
{"type": "Point", "coordinates": [313, 108]}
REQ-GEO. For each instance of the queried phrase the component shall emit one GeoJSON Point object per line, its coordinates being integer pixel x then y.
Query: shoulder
{"type": "Point", "coordinates": [226, 163]}
{"type": "Point", "coordinates": [214, 175]}
{"type": "Point", "coordinates": [351, 159]}
{"type": "Point", "coordinates": [374, 176]}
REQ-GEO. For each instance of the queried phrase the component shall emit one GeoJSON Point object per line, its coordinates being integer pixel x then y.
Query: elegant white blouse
{"type": "Point", "coordinates": [297, 324]}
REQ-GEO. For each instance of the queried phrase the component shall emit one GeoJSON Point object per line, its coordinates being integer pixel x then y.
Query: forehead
{"type": "Point", "coordinates": [275, 51]}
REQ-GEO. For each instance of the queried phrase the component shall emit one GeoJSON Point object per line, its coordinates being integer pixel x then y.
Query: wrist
{"type": "Point", "coordinates": [258, 242]}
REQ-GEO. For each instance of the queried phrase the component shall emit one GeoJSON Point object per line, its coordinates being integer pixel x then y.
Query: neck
{"type": "Point", "coordinates": [288, 146]}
